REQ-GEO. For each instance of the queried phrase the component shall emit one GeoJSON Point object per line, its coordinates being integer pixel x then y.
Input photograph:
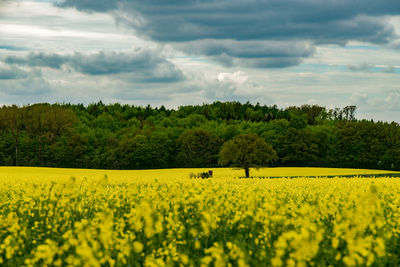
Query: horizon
{"type": "Point", "coordinates": [178, 107]}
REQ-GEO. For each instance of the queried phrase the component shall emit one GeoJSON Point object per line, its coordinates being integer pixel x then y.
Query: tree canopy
{"type": "Point", "coordinates": [116, 136]}
{"type": "Point", "coordinates": [198, 148]}
{"type": "Point", "coordinates": [245, 151]}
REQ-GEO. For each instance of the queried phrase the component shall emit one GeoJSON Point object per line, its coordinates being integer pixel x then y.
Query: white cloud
{"type": "Point", "coordinates": [238, 77]}
{"type": "Point", "coordinates": [40, 26]}
{"type": "Point", "coordinates": [236, 84]}
{"type": "Point", "coordinates": [392, 100]}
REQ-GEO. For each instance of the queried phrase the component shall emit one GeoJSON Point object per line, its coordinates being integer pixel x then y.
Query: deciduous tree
{"type": "Point", "coordinates": [246, 151]}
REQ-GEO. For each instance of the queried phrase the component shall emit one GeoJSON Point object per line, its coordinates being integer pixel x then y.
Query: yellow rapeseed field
{"type": "Point", "coordinates": [70, 217]}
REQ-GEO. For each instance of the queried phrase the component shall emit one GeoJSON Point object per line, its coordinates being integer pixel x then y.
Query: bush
{"type": "Point", "coordinates": [202, 175]}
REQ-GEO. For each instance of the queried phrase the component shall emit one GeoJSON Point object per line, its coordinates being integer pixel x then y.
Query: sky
{"type": "Point", "coordinates": [332, 53]}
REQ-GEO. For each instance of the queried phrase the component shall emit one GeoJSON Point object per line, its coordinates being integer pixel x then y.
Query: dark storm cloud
{"type": "Point", "coordinates": [142, 64]}
{"type": "Point", "coordinates": [261, 54]}
{"type": "Point", "coordinates": [291, 21]}
{"type": "Point", "coordinates": [38, 60]}
{"type": "Point", "coordinates": [249, 49]}
{"type": "Point", "coordinates": [186, 20]}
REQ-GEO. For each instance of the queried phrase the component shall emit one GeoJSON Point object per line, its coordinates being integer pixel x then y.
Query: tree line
{"type": "Point", "coordinates": [119, 136]}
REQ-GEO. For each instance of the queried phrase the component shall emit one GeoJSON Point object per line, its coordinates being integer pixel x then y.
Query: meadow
{"type": "Point", "coordinates": [78, 217]}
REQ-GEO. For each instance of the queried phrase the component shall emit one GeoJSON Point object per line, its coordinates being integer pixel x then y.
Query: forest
{"type": "Point", "coordinates": [116, 136]}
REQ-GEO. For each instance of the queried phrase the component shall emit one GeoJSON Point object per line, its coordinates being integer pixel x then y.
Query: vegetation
{"type": "Point", "coordinates": [163, 218]}
{"type": "Point", "coordinates": [245, 151]}
{"type": "Point", "coordinates": [129, 137]}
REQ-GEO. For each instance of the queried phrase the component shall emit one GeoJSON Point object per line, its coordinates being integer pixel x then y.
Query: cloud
{"type": "Point", "coordinates": [18, 82]}
{"type": "Point", "coordinates": [392, 100]}
{"type": "Point", "coordinates": [11, 48]}
{"type": "Point", "coordinates": [370, 68]}
{"type": "Point", "coordinates": [89, 5]}
{"type": "Point", "coordinates": [259, 54]}
{"type": "Point", "coordinates": [29, 86]}
{"type": "Point", "coordinates": [224, 30]}
{"type": "Point", "coordinates": [388, 100]}
{"type": "Point", "coordinates": [389, 69]}
{"type": "Point", "coordinates": [187, 20]}
{"type": "Point", "coordinates": [11, 73]}
{"type": "Point", "coordinates": [53, 61]}
{"type": "Point", "coordinates": [3, 2]}
{"type": "Point", "coordinates": [144, 65]}
{"type": "Point", "coordinates": [383, 105]}
{"type": "Point", "coordinates": [364, 67]}
{"type": "Point", "coordinates": [234, 86]}
{"type": "Point", "coordinates": [360, 98]}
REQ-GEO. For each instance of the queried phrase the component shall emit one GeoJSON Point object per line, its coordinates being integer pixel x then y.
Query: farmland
{"type": "Point", "coordinates": [75, 217]}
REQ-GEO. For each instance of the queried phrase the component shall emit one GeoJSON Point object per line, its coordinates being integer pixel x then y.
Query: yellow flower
{"type": "Point", "coordinates": [137, 246]}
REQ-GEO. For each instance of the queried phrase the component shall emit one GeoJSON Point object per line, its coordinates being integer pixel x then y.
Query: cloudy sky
{"type": "Point", "coordinates": [179, 52]}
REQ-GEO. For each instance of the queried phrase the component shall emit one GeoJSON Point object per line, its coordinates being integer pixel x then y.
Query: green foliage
{"type": "Point", "coordinates": [245, 151]}
{"type": "Point", "coordinates": [298, 147]}
{"type": "Point", "coordinates": [119, 136]}
{"type": "Point", "coordinates": [198, 148]}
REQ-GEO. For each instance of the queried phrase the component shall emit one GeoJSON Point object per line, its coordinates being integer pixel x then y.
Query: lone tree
{"type": "Point", "coordinates": [245, 151]}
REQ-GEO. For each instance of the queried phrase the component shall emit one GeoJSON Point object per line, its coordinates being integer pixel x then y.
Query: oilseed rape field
{"type": "Point", "coordinates": [72, 217]}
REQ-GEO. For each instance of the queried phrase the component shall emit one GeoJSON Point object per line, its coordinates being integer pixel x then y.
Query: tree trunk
{"type": "Point", "coordinates": [247, 171]}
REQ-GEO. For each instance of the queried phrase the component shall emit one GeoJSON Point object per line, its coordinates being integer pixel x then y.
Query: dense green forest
{"type": "Point", "coordinates": [131, 137]}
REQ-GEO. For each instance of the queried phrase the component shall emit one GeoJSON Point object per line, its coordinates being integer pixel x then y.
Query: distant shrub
{"type": "Point", "coordinates": [202, 175]}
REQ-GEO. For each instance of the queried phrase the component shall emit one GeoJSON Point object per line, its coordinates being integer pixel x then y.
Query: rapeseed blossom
{"type": "Point", "coordinates": [162, 219]}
